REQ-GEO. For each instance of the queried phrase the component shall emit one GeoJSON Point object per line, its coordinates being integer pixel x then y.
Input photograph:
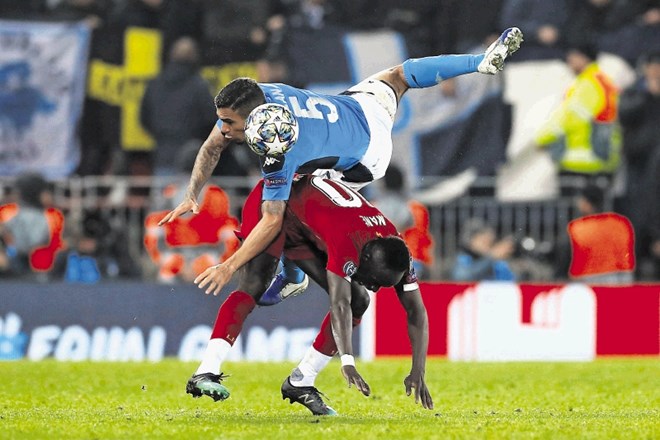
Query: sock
{"type": "Point", "coordinates": [231, 315]}
{"type": "Point", "coordinates": [325, 341]}
{"type": "Point", "coordinates": [429, 71]}
{"type": "Point", "coordinates": [216, 352]}
{"type": "Point", "coordinates": [309, 367]}
{"type": "Point", "coordinates": [291, 271]}
{"type": "Point", "coordinates": [318, 355]}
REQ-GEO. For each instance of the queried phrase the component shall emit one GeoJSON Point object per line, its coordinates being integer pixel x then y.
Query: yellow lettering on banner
{"type": "Point", "coordinates": [219, 76]}
{"type": "Point", "coordinates": [124, 86]}
{"type": "Point", "coordinates": [142, 54]}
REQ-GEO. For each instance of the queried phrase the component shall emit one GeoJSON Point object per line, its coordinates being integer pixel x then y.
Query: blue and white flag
{"type": "Point", "coordinates": [43, 68]}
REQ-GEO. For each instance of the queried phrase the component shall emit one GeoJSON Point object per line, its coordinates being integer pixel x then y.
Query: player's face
{"type": "Point", "coordinates": [233, 124]}
{"type": "Point", "coordinates": [375, 278]}
{"type": "Point", "coordinates": [366, 280]}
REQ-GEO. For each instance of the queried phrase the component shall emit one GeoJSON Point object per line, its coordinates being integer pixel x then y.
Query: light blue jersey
{"type": "Point", "coordinates": [334, 134]}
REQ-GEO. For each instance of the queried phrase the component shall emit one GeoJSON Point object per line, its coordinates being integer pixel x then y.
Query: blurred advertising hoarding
{"type": "Point", "coordinates": [492, 321]}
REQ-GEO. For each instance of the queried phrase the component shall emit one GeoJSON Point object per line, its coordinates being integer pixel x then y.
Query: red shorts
{"type": "Point", "coordinates": [294, 241]}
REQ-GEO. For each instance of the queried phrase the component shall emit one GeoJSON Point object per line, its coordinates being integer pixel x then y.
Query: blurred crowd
{"type": "Point", "coordinates": [177, 112]}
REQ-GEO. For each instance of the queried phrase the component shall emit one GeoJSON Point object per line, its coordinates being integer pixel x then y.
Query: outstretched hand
{"type": "Point", "coordinates": [416, 381]}
{"type": "Point", "coordinates": [215, 277]}
{"type": "Point", "coordinates": [188, 205]}
{"type": "Point", "coordinates": [353, 377]}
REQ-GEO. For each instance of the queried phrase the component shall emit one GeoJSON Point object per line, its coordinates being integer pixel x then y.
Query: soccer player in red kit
{"type": "Point", "coordinates": [346, 245]}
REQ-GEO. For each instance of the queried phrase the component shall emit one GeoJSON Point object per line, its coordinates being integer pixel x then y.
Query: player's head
{"type": "Point", "coordinates": [233, 105]}
{"type": "Point", "coordinates": [580, 54]}
{"type": "Point", "coordinates": [383, 262]}
{"type": "Point", "coordinates": [241, 95]}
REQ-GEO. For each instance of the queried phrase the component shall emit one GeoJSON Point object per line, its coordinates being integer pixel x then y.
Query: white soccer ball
{"type": "Point", "coordinates": [271, 129]}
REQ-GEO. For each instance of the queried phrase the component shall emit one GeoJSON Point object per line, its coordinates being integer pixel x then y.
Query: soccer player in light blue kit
{"type": "Point", "coordinates": [347, 135]}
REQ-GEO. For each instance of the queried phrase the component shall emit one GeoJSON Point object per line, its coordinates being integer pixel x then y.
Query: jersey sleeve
{"type": "Point", "coordinates": [278, 175]}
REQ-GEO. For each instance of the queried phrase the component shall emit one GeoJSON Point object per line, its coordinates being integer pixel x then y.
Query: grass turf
{"type": "Point", "coordinates": [608, 399]}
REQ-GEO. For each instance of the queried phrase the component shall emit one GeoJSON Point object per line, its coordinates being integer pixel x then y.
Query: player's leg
{"type": "Point", "coordinates": [429, 71]}
{"type": "Point", "coordinates": [290, 281]}
{"type": "Point", "coordinates": [253, 280]}
{"type": "Point", "coordinates": [301, 381]}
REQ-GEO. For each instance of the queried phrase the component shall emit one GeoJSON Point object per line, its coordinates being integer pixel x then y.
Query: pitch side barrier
{"type": "Point", "coordinates": [492, 321]}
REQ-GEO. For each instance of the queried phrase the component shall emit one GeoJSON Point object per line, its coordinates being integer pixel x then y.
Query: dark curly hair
{"type": "Point", "coordinates": [241, 95]}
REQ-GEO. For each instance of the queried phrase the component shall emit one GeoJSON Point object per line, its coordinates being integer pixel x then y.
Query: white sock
{"type": "Point", "coordinates": [216, 352]}
{"type": "Point", "coordinates": [309, 367]}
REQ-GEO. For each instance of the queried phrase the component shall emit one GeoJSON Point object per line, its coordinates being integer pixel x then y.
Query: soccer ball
{"type": "Point", "coordinates": [271, 129]}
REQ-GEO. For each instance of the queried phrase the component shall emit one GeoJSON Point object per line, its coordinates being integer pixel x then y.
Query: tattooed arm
{"type": "Point", "coordinates": [207, 159]}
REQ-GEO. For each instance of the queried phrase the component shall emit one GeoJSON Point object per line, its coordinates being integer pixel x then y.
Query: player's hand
{"type": "Point", "coordinates": [422, 394]}
{"type": "Point", "coordinates": [353, 377]}
{"type": "Point", "coordinates": [214, 278]}
{"type": "Point", "coordinates": [188, 205]}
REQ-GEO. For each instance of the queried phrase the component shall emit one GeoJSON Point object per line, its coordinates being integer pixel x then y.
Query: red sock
{"type": "Point", "coordinates": [325, 341]}
{"type": "Point", "coordinates": [231, 315]}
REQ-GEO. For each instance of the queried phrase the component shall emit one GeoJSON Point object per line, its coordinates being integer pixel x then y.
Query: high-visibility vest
{"type": "Point", "coordinates": [584, 134]}
{"type": "Point", "coordinates": [601, 243]}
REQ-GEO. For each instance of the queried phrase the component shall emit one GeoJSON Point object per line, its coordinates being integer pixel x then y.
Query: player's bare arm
{"type": "Point", "coordinates": [342, 328]}
{"type": "Point", "coordinates": [395, 78]}
{"type": "Point", "coordinates": [214, 278]}
{"type": "Point", "coordinates": [418, 333]}
{"type": "Point", "coordinates": [206, 161]}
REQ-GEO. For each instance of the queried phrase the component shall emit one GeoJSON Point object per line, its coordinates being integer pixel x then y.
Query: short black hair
{"type": "Point", "coordinates": [241, 95]}
{"type": "Point", "coordinates": [595, 195]}
{"type": "Point", "coordinates": [389, 253]}
{"type": "Point", "coordinates": [30, 186]}
{"type": "Point", "coordinates": [586, 46]}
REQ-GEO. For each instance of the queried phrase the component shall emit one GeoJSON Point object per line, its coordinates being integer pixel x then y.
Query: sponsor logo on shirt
{"type": "Point", "coordinates": [349, 268]}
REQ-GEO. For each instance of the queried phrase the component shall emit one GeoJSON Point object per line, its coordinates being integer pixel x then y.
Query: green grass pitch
{"type": "Point", "coordinates": [605, 399]}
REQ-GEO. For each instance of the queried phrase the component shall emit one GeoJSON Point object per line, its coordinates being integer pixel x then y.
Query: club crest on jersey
{"type": "Point", "coordinates": [271, 164]}
{"type": "Point", "coordinates": [350, 268]}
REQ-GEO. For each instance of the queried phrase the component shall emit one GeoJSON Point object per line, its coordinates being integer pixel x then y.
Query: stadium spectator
{"type": "Point", "coordinates": [583, 134]}
{"type": "Point", "coordinates": [408, 216]}
{"type": "Point", "coordinates": [654, 210]}
{"type": "Point", "coordinates": [357, 147]}
{"type": "Point", "coordinates": [22, 10]}
{"type": "Point", "coordinates": [341, 257]}
{"type": "Point", "coordinates": [92, 12]}
{"type": "Point", "coordinates": [458, 27]}
{"type": "Point", "coordinates": [623, 27]}
{"type": "Point", "coordinates": [641, 34]}
{"type": "Point", "coordinates": [95, 253]}
{"type": "Point", "coordinates": [640, 113]}
{"type": "Point", "coordinates": [542, 22]}
{"type": "Point", "coordinates": [482, 256]}
{"type": "Point", "coordinates": [227, 40]}
{"type": "Point", "coordinates": [175, 106]}
{"type": "Point", "coordinates": [30, 230]}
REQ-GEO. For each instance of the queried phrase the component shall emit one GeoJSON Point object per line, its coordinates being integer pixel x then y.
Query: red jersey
{"type": "Point", "coordinates": [326, 215]}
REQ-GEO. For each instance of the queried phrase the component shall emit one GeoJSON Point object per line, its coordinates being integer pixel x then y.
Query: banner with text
{"type": "Point", "coordinates": [127, 321]}
{"type": "Point", "coordinates": [43, 68]}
